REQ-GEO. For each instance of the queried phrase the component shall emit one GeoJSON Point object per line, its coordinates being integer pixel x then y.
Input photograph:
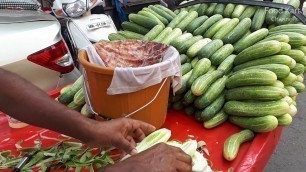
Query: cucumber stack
{"type": "Point", "coordinates": [73, 97]}
{"type": "Point", "coordinates": [239, 62]}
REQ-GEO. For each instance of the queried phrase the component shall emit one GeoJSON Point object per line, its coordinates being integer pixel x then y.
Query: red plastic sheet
{"type": "Point", "coordinates": [253, 156]}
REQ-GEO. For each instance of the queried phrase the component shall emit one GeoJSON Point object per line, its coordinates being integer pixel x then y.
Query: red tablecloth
{"type": "Point", "coordinates": [252, 156]}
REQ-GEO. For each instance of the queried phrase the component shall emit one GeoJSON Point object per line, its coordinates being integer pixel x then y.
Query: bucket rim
{"type": "Point", "coordinates": [83, 57]}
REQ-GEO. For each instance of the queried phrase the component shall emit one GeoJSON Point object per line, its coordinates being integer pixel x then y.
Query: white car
{"type": "Point", "coordinates": [31, 46]}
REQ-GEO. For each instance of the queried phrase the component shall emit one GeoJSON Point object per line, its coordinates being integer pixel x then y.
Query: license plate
{"type": "Point", "coordinates": [97, 25]}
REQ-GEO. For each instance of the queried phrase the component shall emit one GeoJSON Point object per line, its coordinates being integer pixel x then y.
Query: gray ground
{"type": "Point", "coordinates": [290, 153]}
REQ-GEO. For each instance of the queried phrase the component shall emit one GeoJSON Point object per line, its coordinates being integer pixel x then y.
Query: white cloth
{"type": "Point", "coordinates": [127, 80]}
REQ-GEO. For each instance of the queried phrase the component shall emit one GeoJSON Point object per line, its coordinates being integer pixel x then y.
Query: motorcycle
{"type": "Point", "coordinates": [82, 26]}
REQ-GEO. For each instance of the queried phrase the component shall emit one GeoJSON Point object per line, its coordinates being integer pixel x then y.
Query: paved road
{"type": "Point", "coordinates": [290, 153]}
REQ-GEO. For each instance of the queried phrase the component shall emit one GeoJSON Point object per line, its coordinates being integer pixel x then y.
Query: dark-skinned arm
{"type": "Point", "coordinates": [25, 102]}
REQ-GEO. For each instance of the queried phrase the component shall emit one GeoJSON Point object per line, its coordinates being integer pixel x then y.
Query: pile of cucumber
{"type": "Point", "coordinates": [240, 63]}
{"type": "Point", "coordinates": [73, 97]}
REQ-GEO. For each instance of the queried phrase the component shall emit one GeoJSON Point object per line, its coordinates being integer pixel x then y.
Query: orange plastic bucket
{"type": "Point", "coordinates": [116, 106]}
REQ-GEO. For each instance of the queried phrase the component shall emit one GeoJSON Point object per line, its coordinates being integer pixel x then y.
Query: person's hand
{"type": "Point", "coordinates": [158, 158]}
{"type": "Point", "coordinates": [122, 133]}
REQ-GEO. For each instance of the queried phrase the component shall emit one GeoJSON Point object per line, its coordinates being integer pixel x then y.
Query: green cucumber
{"type": "Point", "coordinates": [291, 90]}
{"type": "Point", "coordinates": [281, 38]}
{"type": "Point", "coordinates": [131, 35]}
{"type": "Point", "coordinates": [189, 98]}
{"type": "Point", "coordinates": [163, 34]}
{"type": "Point", "coordinates": [176, 98]}
{"type": "Point", "coordinates": [284, 120]}
{"type": "Point", "coordinates": [180, 17]}
{"type": "Point", "coordinates": [248, 12]}
{"type": "Point", "coordinates": [220, 55]}
{"type": "Point", "coordinates": [187, 20]}
{"type": "Point", "coordinates": [276, 59]}
{"type": "Point", "coordinates": [295, 39]}
{"type": "Point", "coordinates": [219, 9]}
{"type": "Point", "coordinates": [272, 13]}
{"type": "Point", "coordinates": [281, 71]}
{"type": "Point", "coordinates": [85, 112]}
{"type": "Point", "coordinates": [278, 84]}
{"type": "Point", "coordinates": [184, 87]}
{"type": "Point", "coordinates": [285, 48]}
{"type": "Point", "coordinates": [227, 65]}
{"type": "Point", "coordinates": [211, 110]}
{"type": "Point", "coordinates": [214, 28]}
{"type": "Point", "coordinates": [196, 23]}
{"type": "Point", "coordinates": [210, 10]}
{"type": "Point", "coordinates": [293, 64]}
{"type": "Point", "coordinates": [298, 69]}
{"type": "Point", "coordinates": [232, 143]}
{"type": "Point", "coordinates": [183, 58]}
{"type": "Point", "coordinates": [256, 124]}
{"type": "Point", "coordinates": [68, 95]}
{"type": "Point", "coordinates": [257, 51]}
{"type": "Point", "coordinates": [186, 68]}
{"type": "Point", "coordinates": [181, 39]}
{"type": "Point", "coordinates": [297, 55]}
{"type": "Point", "coordinates": [166, 10]}
{"type": "Point", "coordinates": [259, 108]}
{"type": "Point", "coordinates": [151, 16]}
{"type": "Point", "coordinates": [202, 84]}
{"type": "Point", "coordinates": [258, 19]}
{"type": "Point", "coordinates": [251, 40]}
{"type": "Point", "coordinates": [208, 50]}
{"type": "Point", "coordinates": [172, 36]}
{"type": "Point", "coordinates": [251, 77]}
{"type": "Point", "coordinates": [239, 9]}
{"type": "Point", "coordinates": [161, 13]}
{"type": "Point", "coordinates": [143, 21]}
{"type": "Point", "coordinates": [221, 33]}
{"type": "Point", "coordinates": [194, 8]}
{"type": "Point", "coordinates": [207, 24]}
{"type": "Point", "coordinates": [79, 98]}
{"type": "Point", "coordinates": [299, 86]}
{"type": "Point", "coordinates": [116, 36]}
{"type": "Point", "coordinates": [153, 33]}
{"type": "Point", "coordinates": [300, 78]}
{"type": "Point", "coordinates": [197, 115]}
{"type": "Point", "coordinates": [201, 67]}
{"type": "Point", "coordinates": [285, 16]}
{"type": "Point", "coordinates": [74, 106]}
{"type": "Point", "coordinates": [202, 9]}
{"type": "Point", "coordinates": [194, 62]}
{"type": "Point", "coordinates": [261, 93]}
{"type": "Point", "coordinates": [289, 79]}
{"type": "Point", "coordinates": [241, 29]}
{"type": "Point", "coordinates": [196, 47]}
{"type": "Point", "coordinates": [229, 9]}
{"type": "Point", "coordinates": [302, 48]}
{"type": "Point", "coordinates": [303, 61]}
{"type": "Point", "coordinates": [217, 120]}
{"type": "Point", "coordinates": [288, 100]}
{"type": "Point", "coordinates": [293, 110]}
{"type": "Point", "coordinates": [212, 93]}
{"type": "Point", "coordinates": [162, 19]}
{"type": "Point", "coordinates": [187, 44]}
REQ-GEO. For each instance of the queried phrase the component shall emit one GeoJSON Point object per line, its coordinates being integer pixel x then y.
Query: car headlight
{"type": "Point", "coordinates": [75, 9]}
